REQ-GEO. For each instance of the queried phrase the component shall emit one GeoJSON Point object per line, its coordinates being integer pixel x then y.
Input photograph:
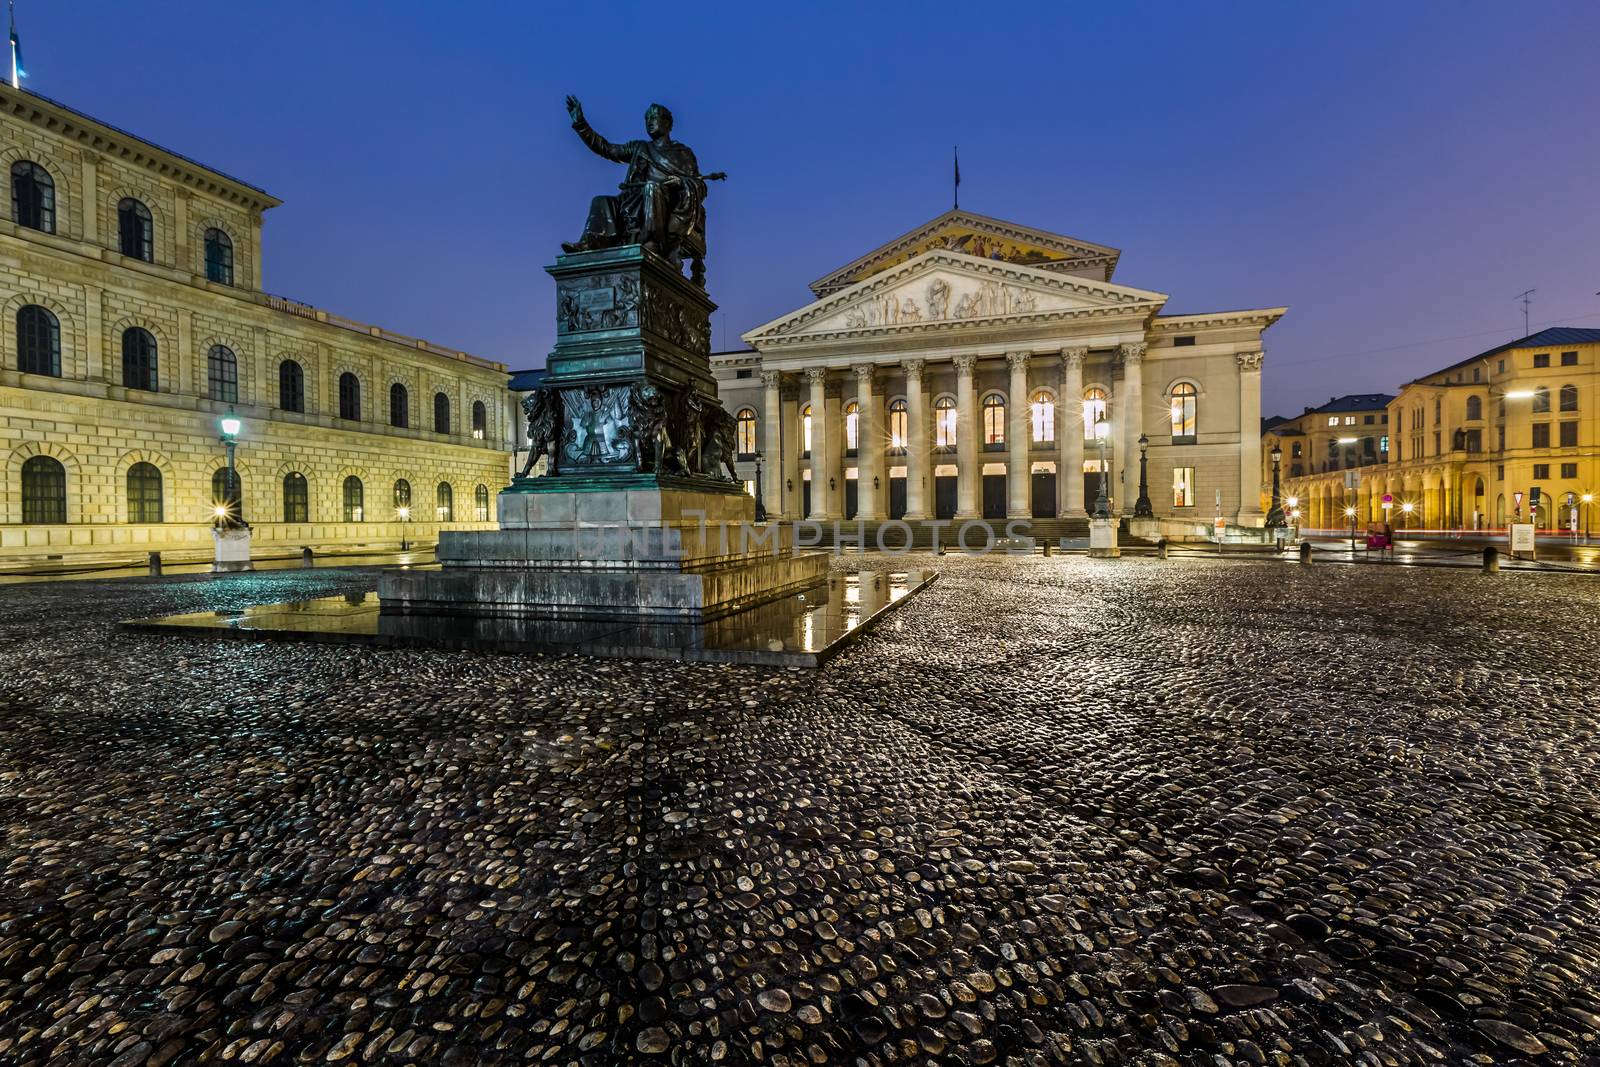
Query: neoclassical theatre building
{"type": "Point", "coordinates": [134, 318]}
{"type": "Point", "coordinates": [973, 368]}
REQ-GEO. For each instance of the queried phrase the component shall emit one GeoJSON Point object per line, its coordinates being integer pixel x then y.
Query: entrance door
{"type": "Point", "coordinates": [1044, 495]}
{"type": "Point", "coordinates": [994, 496]}
{"type": "Point", "coordinates": [850, 498]}
{"type": "Point", "coordinates": [805, 499]}
{"type": "Point", "coordinates": [897, 498]}
{"type": "Point", "coordinates": [944, 497]}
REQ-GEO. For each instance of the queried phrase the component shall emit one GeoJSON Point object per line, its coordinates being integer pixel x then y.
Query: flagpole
{"type": "Point", "coordinates": [956, 154]}
{"type": "Point", "coordinates": [16, 82]}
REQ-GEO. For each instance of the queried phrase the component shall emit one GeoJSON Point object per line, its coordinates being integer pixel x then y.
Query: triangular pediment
{"type": "Point", "coordinates": [984, 238]}
{"type": "Point", "coordinates": [942, 290]}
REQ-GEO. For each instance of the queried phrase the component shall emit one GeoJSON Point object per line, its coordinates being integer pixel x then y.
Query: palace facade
{"type": "Point", "coordinates": [135, 318]}
{"type": "Point", "coordinates": [1471, 443]}
{"type": "Point", "coordinates": [973, 368]}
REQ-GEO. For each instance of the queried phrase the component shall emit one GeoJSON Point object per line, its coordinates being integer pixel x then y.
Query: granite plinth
{"type": "Point", "coordinates": [799, 630]}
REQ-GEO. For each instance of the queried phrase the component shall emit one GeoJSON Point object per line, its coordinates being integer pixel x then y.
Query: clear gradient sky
{"type": "Point", "coordinates": [1393, 172]}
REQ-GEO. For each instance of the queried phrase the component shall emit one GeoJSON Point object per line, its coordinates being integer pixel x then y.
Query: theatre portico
{"type": "Point", "coordinates": [976, 369]}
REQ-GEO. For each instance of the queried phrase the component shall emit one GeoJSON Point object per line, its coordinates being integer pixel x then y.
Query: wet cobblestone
{"type": "Point", "coordinates": [1057, 811]}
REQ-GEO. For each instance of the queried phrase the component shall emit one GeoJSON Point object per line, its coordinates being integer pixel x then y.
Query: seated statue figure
{"type": "Point", "coordinates": [661, 202]}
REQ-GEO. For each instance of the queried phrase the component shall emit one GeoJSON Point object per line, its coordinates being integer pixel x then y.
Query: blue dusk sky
{"type": "Point", "coordinates": [1395, 173]}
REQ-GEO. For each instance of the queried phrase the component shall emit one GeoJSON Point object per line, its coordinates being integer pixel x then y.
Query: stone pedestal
{"type": "Point", "coordinates": [232, 549]}
{"type": "Point", "coordinates": [640, 516]}
{"type": "Point", "coordinates": [1103, 539]}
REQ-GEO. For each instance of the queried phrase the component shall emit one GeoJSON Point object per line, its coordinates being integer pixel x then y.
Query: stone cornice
{"type": "Point", "coordinates": [1262, 317]}
{"type": "Point", "coordinates": [96, 136]}
{"type": "Point", "coordinates": [1083, 253]}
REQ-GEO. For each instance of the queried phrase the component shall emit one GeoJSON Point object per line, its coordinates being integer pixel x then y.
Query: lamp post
{"type": "Point", "coordinates": [761, 504]}
{"type": "Point", "coordinates": [1275, 517]}
{"type": "Point", "coordinates": [1102, 501]}
{"type": "Point", "coordinates": [1141, 506]}
{"type": "Point", "coordinates": [405, 517]}
{"type": "Point", "coordinates": [1586, 499]}
{"type": "Point", "coordinates": [1405, 510]}
{"type": "Point", "coordinates": [1350, 513]}
{"type": "Point", "coordinates": [228, 511]}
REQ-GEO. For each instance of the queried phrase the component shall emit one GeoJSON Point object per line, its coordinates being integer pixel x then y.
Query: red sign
{"type": "Point", "coordinates": [1387, 499]}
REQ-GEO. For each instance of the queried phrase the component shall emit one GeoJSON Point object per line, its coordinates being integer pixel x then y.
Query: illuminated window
{"type": "Point", "coordinates": [444, 501]}
{"type": "Point", "coordinates": [745, 431]}
{"type": "Point", "coordinates": [944, 422]}
{"type": "Point", "coordinates": [1183, 487]}
{"type": "Point", "coordinates": [1349, 420]}
{"type": "Point", "coordinates": [480, 503]}
{"type": "Point", "coordinates": [994, 421]}
{"type": "Point", "coordinates": [1184, 398]}
{"type": "Point", "coordinates": [144, 493]}
{"type": "Point", "coordinates": [1042, 413]}
{"type": "Point", "coordinates": [133, 229]}
{"type": "Point", "coordinates": [38, 341]}
{"type": "Point", "coordinates": [897, 426]}
{"type": "Point", "coordinates": [1333, 420]}
{"type": "Point", "coordinates": [852, 427]}
{"type": "Point", "coordinates": [44, 491]}
{"type": "Point", "coordinates": [1094, 414]}
{"type": "Point", "coordinates": [296, 498]}
{"type": "Point", "coordinates": [355, 496]}
{"type": "Point", "coordinates": [480, 419]}
{"type": "Point", "coordinates": [805, 430]}
{"type": "Point", "coordinates": [402, 494]}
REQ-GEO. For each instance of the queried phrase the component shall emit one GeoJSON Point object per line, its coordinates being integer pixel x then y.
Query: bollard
{"type": "Point", "coordinates": [1491, 560]}
{"type": "Point", "coordinates": [155, 563]}
{"type": "Point", "coordinates": [1047, 548]}
{"type": "Point", "coordinates": [940, 550]}
{"type": "Point", "coordinates": [1161, 548]}
{"type": "Point", "coordinates": [1305, 551]}
{"type": "Point", "coordinates": [305, 557]}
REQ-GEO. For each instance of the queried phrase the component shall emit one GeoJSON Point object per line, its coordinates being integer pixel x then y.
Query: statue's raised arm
{"type": "Point", "coordinates": [660, 203]}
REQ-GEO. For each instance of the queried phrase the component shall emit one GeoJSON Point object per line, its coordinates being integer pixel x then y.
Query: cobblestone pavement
{"type": "Point", "coordinates": [1057, 811]}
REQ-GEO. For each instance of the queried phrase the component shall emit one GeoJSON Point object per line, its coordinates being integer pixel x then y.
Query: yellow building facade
{"type": "Point", "coordinates": [134, 318]}
{"type": "Point", "coordinates": [1473, 445]}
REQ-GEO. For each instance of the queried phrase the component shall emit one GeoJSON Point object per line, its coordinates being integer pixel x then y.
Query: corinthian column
{"type": "Point", "coordinates": [1132, 411]}
{"type": "Point", "coordinates": [1069, 468]}
{"type": "Point", "coordinates": [867, 446]}
{"type": "Point", "coordinates": [967, 475]}
{"type": "Point", "coordinates": [916, 441]}
{"type": "Point", "coordinates": [818, 377]}
{"type": "Point", "coordinates": [772, 444]}
{"type": "Point", "coordinates": [1249, 437]}
{"type": "Point", "coordinates": [1018, 439]}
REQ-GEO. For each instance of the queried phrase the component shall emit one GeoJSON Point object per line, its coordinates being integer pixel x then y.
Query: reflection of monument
{"type": "Point", "coordinates": [639, 515]}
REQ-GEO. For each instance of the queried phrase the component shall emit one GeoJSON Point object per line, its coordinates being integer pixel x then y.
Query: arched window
{"type": "Point", "coordinates": [138, 359]}
{"type": "Point", "coordinates": [994, 421]}
{"type": "Point", "coordinates": [1094, 415]}
{"type": "Point", "coordinates": [898, 426]}
{"type": "Point", "coordinates": [402, 495]}
{"type": "Point", "coordinates": [38, 341]}
{"type": "Point", "coordinates": [944, 422]}
{"type": "Point", "coordinates": [745, 432]}
{"type": "Point", "coordinates": [399, 406]}
{"type": "Point", "coordinates": [852, 428]}
{"type": "Point", "coordinates": [144, 493]}
{"type": "Point", "coordinates": [805, 430]}
{"type": "Point", "coordinates": [296, 498]}
{"type": "Point", "coordinates": [134, 230]}
{"type": "Point", "coordinates": [1042, 413]}
{"type": "Point", "coordinates": [228, 493]}
{"type": "Point", "coordinates": [1474, 407]}
{"type": "Point", "coordinates": [355, 496]}
{"type": "Point", "coordinates": [1184, 398]}
{"type": "Point", "coordinates": [219, 256]}
{"type": "Point", "coordinates": [441, 413]}
{"type": "Point", "coordinates": [1569, 398]}
{"type": "Point", "coordinates": [349, 396]}
{"type": "Point", "coordinates": [222, 369]}
{"type": "Point", "coordinates": [33, 196]}
{"type": "Point", "coordinates": [480, 419]}
{"type": "Point", "coordinates": [444, 504]}
{"type": "Point", "coordinates": [480, 503]}
{"type": "Point", "coordinates": [44, 491]}
{"type": "Point", "coordinates": [291, 386]}
{"type": "Point", "coordinates": [1541, 399]}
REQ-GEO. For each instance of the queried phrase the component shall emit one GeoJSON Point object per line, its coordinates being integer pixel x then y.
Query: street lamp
{"type": "Point", "coordinates": [1350, 513]}
{"type": "Point", "coordinates": [1141, 506]}
{"type": "Point", "coordinates": [1275, 517]}
{"type": "Point", "coordinates": [405, 517]}
{"type": "Point", "coordinates": [761, 505]}
{"type": "Point", "coordinates": [228, 509]}
{"type": "Point", "coordinates": [1587, 498]}
{"type": "Point", "coordinates": [1405, 509]}
{"type": "Point", "coordinates": [1102, 501]}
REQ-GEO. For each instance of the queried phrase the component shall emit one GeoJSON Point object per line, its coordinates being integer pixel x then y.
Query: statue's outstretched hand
{"type": "Point", "coordinates": [574, 110]}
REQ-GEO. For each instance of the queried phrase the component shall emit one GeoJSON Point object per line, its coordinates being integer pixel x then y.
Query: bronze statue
{"type": "Point", "coordinates": [718, 442]}
{"type": "Point", "coordinates": [661, 203]}
{"type": "Point", "coordinates": [543, 409]}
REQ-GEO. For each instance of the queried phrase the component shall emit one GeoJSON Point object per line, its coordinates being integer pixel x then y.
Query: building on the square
{"type": "Point", "coordinates": [1346, 433]}
{"type": "Point", "coordinates": [134, 318]}
{"type": "Point", "coordinates": [1469, 444]}
{"type": "Point", "coordinates": [975, 368]}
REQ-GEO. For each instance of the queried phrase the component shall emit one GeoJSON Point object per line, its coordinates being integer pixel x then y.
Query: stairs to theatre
{"type": "Point", "coordinates": [891, 535]}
